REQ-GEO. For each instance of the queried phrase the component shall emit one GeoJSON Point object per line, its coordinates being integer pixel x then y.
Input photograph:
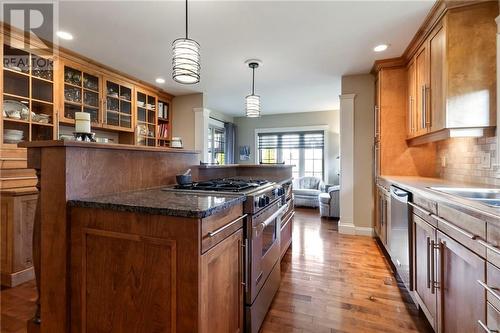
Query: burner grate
{"type": "Point", "coordinates": [224, 185]}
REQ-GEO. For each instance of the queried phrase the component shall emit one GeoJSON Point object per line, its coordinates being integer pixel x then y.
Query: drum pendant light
{"type": "Point", "coordinates": [253, 101]}
{"type": "Point", "coordinates": [186, 58]}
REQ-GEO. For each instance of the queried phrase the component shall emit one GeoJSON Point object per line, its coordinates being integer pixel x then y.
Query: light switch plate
{"type": "Point", "coordinates": [485, 162]}
{"type": "Point", "coordinates": [443, 162]}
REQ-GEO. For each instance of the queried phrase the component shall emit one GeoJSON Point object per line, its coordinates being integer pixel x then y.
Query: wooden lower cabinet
{"type": "Point", "coordinates": [135, 272]}
{"type": "Point", "coordinates": [221, 286]}
{"type": "Point", "coordinates": [424, 237]}
{"type": "Point", "coordinates": [461, 299]}
{"type": "Point", "coordinates": [492, 319]}
{"type": "Point", "coordinates": [17, 217]}
{"type": "Point", "coordinates": [382, 216]}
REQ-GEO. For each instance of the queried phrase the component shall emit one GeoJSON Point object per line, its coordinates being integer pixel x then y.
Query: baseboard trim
{"type": "Point", "coordinates": [15, 279]}
{"type": "Point", "coordinates": [346, 227]}
{"type": "Point", "coordinates": [365, 231]}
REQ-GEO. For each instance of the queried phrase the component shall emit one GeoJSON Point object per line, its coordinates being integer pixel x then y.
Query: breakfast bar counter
{"type": "Point", "coordinates": [159, 201]}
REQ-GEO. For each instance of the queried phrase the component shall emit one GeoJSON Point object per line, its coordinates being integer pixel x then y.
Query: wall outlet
{"type": "Point", "coordinates": [485, 162]}
{"type": "Point", "coordinates": [443, 162]}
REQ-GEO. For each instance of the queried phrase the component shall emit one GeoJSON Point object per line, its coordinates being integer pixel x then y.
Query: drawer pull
{"type": "Point", "coordinates": [287, 220]}
{"type": "Point", "coordinates": [420, 209]}
{"type": "Point", "coordinates": [489, 289]}
{"type": "Point", "coordinates": [221, 229]}
{"type": "Point", "coordinates": [454, 227]}
{"type": "Point", "coordinates": [489, 246]}
{"type": "Point", "coordinates": [485, 328]}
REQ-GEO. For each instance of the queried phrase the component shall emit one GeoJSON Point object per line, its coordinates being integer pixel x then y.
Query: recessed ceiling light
{"type": "Point", "coordinates": [160, 80]}
{"type": "Point", "coordinates": [380, 48]}
{"type": "Point", "coordinates": [64, 35]}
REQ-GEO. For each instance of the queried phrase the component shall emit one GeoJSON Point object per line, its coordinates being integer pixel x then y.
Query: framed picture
{"type": "Point", "coordinates": [244, 153]}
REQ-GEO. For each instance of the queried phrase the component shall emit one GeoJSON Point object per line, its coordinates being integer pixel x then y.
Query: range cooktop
{"type": "Point", "coordinates": [224, 185]}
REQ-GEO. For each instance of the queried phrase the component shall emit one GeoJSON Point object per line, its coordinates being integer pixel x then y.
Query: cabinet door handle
{"type": "Point", "coordinates": [245, 264]}
{"type": "Point", "coordinates": [410, 114]}
{"type": "Point", "coordinates": [489, 246]}
{"type": "Point", "coordinates": [489, 289]}
{"type": "Point", "coordinates": [485, 328]}
{"type": "Point", "coordinates": [419, 209]}
{"type": "Point", "coordinates": [224, 227]}
{"type": "Point", "coordinates": [423, 106]}
{"type": "Point", "coordinates": [454, 227]}
{"type": "Point", "coordinates": [432, 272]}
{"type": "Point", "coordinates": [428, 262]}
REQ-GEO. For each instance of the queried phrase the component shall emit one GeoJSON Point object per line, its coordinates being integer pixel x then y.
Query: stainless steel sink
{"type": "Point", "coordinates": [487, 196]}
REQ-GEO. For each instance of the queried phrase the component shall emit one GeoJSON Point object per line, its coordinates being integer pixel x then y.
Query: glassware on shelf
{"type": "Point", "coordinates": [90, 98]}
{"type": "Point", "coordinates": [90, 82]}
{"type": "Point", "coordinates": [72, 94]}
{"type": "Point", "coordinates": [72, 76]}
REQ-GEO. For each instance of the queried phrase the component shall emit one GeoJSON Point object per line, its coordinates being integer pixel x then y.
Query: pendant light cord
{"type": "Point", "coordinates": [186, 19]}
{"type": "Point", "coordinates": [253, 80]}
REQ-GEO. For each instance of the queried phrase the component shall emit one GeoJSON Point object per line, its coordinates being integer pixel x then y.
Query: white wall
{"type": "Point", "coordinates": [363, 86]}
{"type": "Point", "coordinates": [183, 117]}
{"type": "Point", "coordinates": [246, 133]}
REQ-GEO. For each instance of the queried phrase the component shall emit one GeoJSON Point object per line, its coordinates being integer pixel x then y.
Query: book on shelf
{"type": "Point", "coordinates": [162, 131]}
{"type": "Point", "coordinates": [162, 110]}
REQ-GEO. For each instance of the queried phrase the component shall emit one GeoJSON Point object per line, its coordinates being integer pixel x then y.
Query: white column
{"type": "Point", "coordinates": [346, 223]}
{"type": "Point", "coordinates": [201, 117]}
{"type": "Point", "coordinates": [497, 159]}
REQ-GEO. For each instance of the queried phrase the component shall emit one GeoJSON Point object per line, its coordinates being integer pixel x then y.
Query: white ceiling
{"type": "Point", "coordinates": [305, 46]}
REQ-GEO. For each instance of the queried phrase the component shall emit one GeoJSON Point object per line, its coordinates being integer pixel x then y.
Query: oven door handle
{"type": "Point", "coordinates": [275, 215]}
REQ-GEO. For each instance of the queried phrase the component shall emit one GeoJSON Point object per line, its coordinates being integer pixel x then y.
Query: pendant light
{"type": "Point", "coordinates": [253, 101]}
{"type": "Point", "coordinates": [186, 58]}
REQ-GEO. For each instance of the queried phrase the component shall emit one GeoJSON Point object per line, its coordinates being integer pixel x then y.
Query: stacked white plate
{"type": "Point", "coordinates": [12, 136]}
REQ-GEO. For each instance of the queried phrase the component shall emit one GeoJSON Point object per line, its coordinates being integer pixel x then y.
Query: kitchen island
{"type": "Point", "coordinates": [102, 210]}
{"type": "Point", "coordinates": [157, 261]}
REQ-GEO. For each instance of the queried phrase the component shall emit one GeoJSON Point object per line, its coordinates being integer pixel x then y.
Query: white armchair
{"type": "Point", "coordinates": [306, 191]}
{"type": "Point", "coordinates": [329, 203]}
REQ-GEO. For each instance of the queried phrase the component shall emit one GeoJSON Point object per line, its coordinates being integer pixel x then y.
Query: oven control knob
{"type": "Point", "coordinates": [267, 199]}
{"type": "Point", "coordinates": [262, 202]}
{"type": "Point", "coordinates": [281, 191]}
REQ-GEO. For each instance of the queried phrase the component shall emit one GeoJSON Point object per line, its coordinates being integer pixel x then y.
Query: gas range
{"type": "Point", "coordinates": [260, 193]}
{"type": "Point", "coordinates": [265, 205]}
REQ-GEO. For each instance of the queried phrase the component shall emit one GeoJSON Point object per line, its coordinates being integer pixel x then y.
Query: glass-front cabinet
{"type": "Point", "coordinates": [27, 96]}
{"type": "Point", "coordinates": [81, 93]}
{"type": "Point", "coordinates": [118, 105]}
{"type": "Point", "coordinates": [146, 104]}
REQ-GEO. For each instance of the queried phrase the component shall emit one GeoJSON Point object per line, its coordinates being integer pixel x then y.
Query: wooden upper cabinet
{"type": "Point", "coordinates": [436, 90]}
{"type": "Point", "coordinates": [80, 92]}
{"type": "Point", "coordinates": [461, 299]}
{"type": "Point", "coordinates": [455, 73]}
{"type": "Point", "coordinates": [146, 108]}
{"type": "Point", "coordinates": [411, 107]}
{"type": "Point", "coordinates": [421, 87]}
{"type": "Point", "coordinates": [118, 109]}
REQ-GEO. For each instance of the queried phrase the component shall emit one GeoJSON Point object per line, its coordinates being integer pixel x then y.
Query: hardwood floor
{"type": "Point", "coordinates": [17, 307]}
{"type": "Point", "coordinates": [330, 283]}
{"type": "Point", "coordinates": [338, 283]}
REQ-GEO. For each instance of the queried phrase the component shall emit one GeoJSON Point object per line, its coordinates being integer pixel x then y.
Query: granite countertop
{"type": "Point", "coordinates": [158, 202]}
{"type": "Point", "coordinates": [420, 186]}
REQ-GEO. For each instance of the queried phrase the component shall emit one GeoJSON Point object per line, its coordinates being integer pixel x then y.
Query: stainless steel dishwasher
{"type": "Point", "coordinates": [400, 243]}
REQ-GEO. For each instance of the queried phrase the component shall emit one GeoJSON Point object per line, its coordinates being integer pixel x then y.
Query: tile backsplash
{"type": "Point", "coordinates": [468, 160]}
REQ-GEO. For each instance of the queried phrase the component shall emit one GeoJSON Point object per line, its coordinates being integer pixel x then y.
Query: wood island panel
{"type": "Point", "coordinates": [77, 170]}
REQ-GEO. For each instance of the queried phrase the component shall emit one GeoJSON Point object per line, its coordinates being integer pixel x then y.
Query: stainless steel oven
{"type": "Point", "coordinates": [263, 268]}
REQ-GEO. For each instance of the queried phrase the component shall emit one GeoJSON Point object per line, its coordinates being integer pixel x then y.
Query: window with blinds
{"type": "Point", "coordinates": [304, 150]}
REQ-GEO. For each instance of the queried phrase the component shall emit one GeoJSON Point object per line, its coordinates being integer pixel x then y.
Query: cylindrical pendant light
{"type": "Point", "coordinates": [186, 58]}
{"type": "Point", "coordinates": [253, 101]}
